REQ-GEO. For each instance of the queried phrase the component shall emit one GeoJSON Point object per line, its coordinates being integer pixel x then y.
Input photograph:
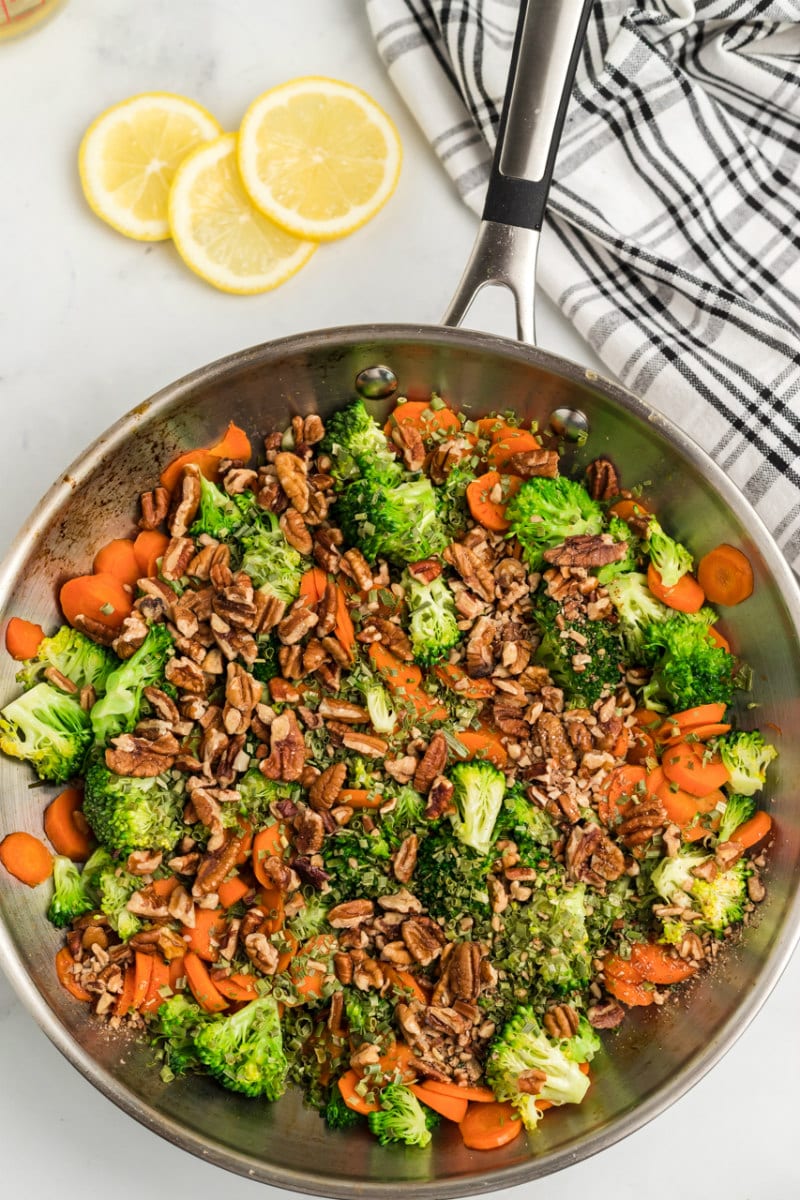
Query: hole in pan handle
{"type": "Point", "coordinates": [547, 46]}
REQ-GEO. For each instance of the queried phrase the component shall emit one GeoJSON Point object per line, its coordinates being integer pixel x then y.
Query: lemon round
{"type": "Point", "coordinates": [319, 157]}
{"type": "Point", "coordinates": [129, 156]}
{"type": "Point", "coordinates": [219, 234]}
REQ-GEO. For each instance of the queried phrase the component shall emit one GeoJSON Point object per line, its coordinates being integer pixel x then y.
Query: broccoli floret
{"type": "Point", "coordinates": [118, 710]}
{"type": "Point", "coordinates": [522, 1047]}
{"type": "Point", "coordinates": [583, 1045]}
{"type": "Point", "coordinates": [48, 729]}
{"type": "Point", "coordinates": [72, 653]}
{"type": "Point", "coordinates": [70, 897]}
{"type": "Point", "coordinates": [127, 814]}
{"type": "Point", "coordinates": [585, 682]}
{"type": "Point", "coordinates": [690, 668]}
{"type": "Point", "coordinates": [256, 794]}
{"type": "Point", "coordinates": [272, 564]}
{"type": "Point", "coordinates": [173, 1028]}
{"type": "Point", "coordinates": [637, 609]}
{"type": "Point", "coordinates": [747, 756]}
{"type": "Point", "coordinates": [219, 515]}
{"type": "Point", "coordinates": [738, 809]}
{"type": "Point", "coordinates": [546, 511]}
{"type": "Point", "coordinates": [357, 445]}
{"type": "Point", "coordinates": [478, 794]}
{"type": "Point", "coordinates": [244, 1051]}
{"type": "Point", "coordinates": [338, 1115]}
{"type": "Point", "coordinates": [381, 711]}
{"type": "Point", "coordinates": [670, 558]}
{"type": "Point", "coordinates": [406, 814]}
{"type": "Point", "coordinates": [312, 918]}
{"type": "Point", "coordinates": [620, 532]}
{"type": "Point", "coordinates": [401, 1118]}
{"type": "Point", "coordinates": [451, 498]}
{"type": "Point", "coordinates": [433, 624]}
{"type": "Point", "coordinates": [399, 522]}
{"type": "Point", "coordinates": [266, 666]}
{"type": "Point", "coordinates": [526, 824]}
{"type": "Point", "coordinates": [113, 886]}
{"type": "Point", "coordinates": [720, 900]}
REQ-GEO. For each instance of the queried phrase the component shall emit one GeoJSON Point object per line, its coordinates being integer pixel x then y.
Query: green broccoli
{"type": "Point", "coordinates": [70, 897]}
{"type": "Point", "coordinates": [620, 533]}
{"type": "Point", "coordinates": [397, 521]}
{"type": "Point", "coordinates": [583, 1045]}
{"type": "Point", "coordinates": [256, 796]}
{"type": "Point", "coordinates": [401, 1118]}
{"type": "Point", "coordinates": [75, 655]}
{"type": "Point", "coordinates": [478, 794]}
{"type": "Point", "coordinates": [338, 1115]}
{"type": "Point", "coordinates": [637, 609]}
{"type": "Point", "coordinates": [526, 824]}
{"type": "Point", "coordinates": [113, 886]}
{"type": "Point", "coordinates": [173, 1026]}
{"type": "Point", "coordinates": [670, 558]}
{"type": "Point", "coordinates": [272, 564]}
{"type": "Point", "coordinates": [219, 515]}
{"type": "Point", "coordinates": [118, 710]}
{"type": "Point", "coordinates": [546, 511]}
{"type": "Point", "coordinates": [357, 446]}
{"type": "Point", "coordinates": [720, 900]}
{"type": "Point", "coordinates": [564, 656]}
{"type": "Point", "coordinates": [523, 1047]}
{"type": "Point", "coordinates": [451, 498]}
{"type": "Point", "coordinates": [244, 1051]}
{"type": "Point", "coordinates": [405, 815]}
{"type": "Point", "coordinates": [312, 918]}
{"type": "Point", "coordinates": [433, 624]}
{"type": "Point", "coordinates": [382, 712]}
{"type": "Point", "coordinates": [689, 667]}
{"type": "Point", "coordinates": [127, 813]}
{"type": "Point", "coordinates": [747, 756]}
{"type": "Point", "coordinates": [48, 729]}
{"type": "Point", "coordinates": [266, 666]}
{"type": "Point", "coordinates": [738, 809]}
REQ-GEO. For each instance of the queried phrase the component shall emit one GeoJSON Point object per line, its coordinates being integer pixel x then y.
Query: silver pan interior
{"type": "Point", "coordinates": [656, 1055]}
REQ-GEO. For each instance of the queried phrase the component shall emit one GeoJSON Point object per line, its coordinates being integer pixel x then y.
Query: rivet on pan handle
{"type": "Point", "coordinates": [547, 45]}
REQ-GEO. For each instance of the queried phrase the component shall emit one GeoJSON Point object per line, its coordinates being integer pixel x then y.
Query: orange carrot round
{"type": "Point", "coordinates": [148, 548]}
{"type": "Point", "coordinates": [232, 890]}
{"type": "Point", "coordinates": [501, 451]}
{"type": "Point", "coordinates": [486, 510]}
{"type": "Point", "coordinates": [234, 444]}
{"type": "Point", "coordinates": [692, 771]}
{"type": "Point", "coordinates": [26, 858]}
{"type": "Point", "coordinates": [635, 995]}
{"type": "Point", "coordinates": [655, 965]}
{"type": "Point", "coordinates": [99, 597]}
{"type": "Point", "coordinates": [347, 1085]}
{"type": "Point", "coordinates": [143, 969]}
{"type": "Point", "coordinates": [725, 575]}
{"type": "Point", "coordinates": [62, 829]}
{"type": "Point", "coordinates": [23, 638]}
{"type": "Point", "coordinates": [64, 964]}
{"type": "Point", "coordinates": [118, 558]}
{"type": "Point", "coordinates": [627, 509]}
{"type": "Point", "coordinates": [488, 1126]}
{"type": "Point", "coordinates": [209, 926]}
{"type": "Point", "coordinates": [452, 1108]}
{"type": "Point", "coordinates": [202, 986]}
{"type": "Point", "coordinates": [753, 831]}
{"type": "Point", "coordinates": [424, 418]}
{"type": "Point", "coordinates": [483, 743]}
{"type": "Point", "coordinates": [475, 1095]}
{"type": "Point", "coordinates": [685, 596]}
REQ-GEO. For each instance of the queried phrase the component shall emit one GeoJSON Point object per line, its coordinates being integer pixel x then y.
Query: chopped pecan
{"type": "Point", "coordinates": [208, 813]}
{"type": "Point", "coordinates": [325, 789]}
{"type": "Point", "coordinates": [181, 907]}
{"type": "Point", "coordinates": [727, 854]}
{"type": "Point", "coordinates": [188, 676]}
{"type": "Point", "coordinates": [480, 648]}
{"type": "Point", "coordinates": [144, 862]}
{"type": "Point", "coordinates": [282, 691]}
{"type": "Point", "coordinates": [296, 531]}
{"type": "Point", "coordinates": [287, 749]}
{"type": "Point", "coordinates": [425, 570]}
{"type": "Point", "coordinates": [529, 464]}
{"type": "Point", "coordinates": [131, 635]}
{"type": "Point", "coordinates": [312, 874]}
{"type": "Point", "coordinates": [185, 502]}
{"type": "Point", "coordinates": [475, 574]}
{"type": "Point", "coordinates": [602, 481]}
{"type": "Point", "coordinates": [313, 430]}
{"type": "Point", "coordinates": [280, 875]}
{"type": "Point", "coordinates": [235, 604]}
{"type": "Point", "coordinates": [592, 857]}
{"type": "Point", "coordinates": [327, 612]}
{"type": "Point", "coordinates": [440, 799]}
{"type": "Point", "coordinates": [368, 975]}
{"type": "Point", "coordinates": [326, 552]}
{"type": "Point", "coordinates": [290, 659]}
{"type": "Point", "coordinates": [308, 832]}
{"type": "Point", "coordinates": [242, 694]}
{"type": "Point", "coordinates": [432, 763]}
{"type": "Point", "coordinates": [401, 769]}
{"type": "Point", "coordinates": [155, 506]}
{"type": "Point", "coordinates": [292, 477]}
{"type": "Point", "coordinates": [531, 1082]}
{"type": "Point", "coordinates": [409, 442]}
{"type": "Point", "coordinates": [607, 1015]}
{"type": "Point", "coordinates": [299, 620]}
{"type": "Point", "coordinates": [755, 888]}
{"type": "Point", "coordinates": [561, 1021]}
{"type": "Point", "coordinates": [404, 860]}
{"type": "Point", "coordinates": [378, 629]}
{"type": "Point", "coordinates": [163, 705]}
{"type": "Point", "coordinates": [343, 968]}
{"type": "Point", "coordinates": [553, 740]}
{"type": "Point", "coordinates": [342, 710]}
{"type": "Point", "coordinates": [400, 902]}
{"type": "Point", "coordinates": [350, 914]}
{"type": "Point", "coordinates": [239, 479]}
{"type": "Point", "coordinates": [139, 757]}
{"type": "Point", "coordinates": [424, 939]}
{"type": "Point", "coordinates": [261, 953]}
{"type": "Point", "coordinates": [586, 550]}
{"type": "Point", "coordinates": [446, 456]}
{"type": "Point", "coordinates": [396, 954]}
{"type": "Point", "coordinates": [364, 743]}
{"type": "Point", "coordinates": [146, 903]}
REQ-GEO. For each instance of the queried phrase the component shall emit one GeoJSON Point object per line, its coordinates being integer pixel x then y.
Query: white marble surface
{"type": "Point", "coordinates": [90, 324]}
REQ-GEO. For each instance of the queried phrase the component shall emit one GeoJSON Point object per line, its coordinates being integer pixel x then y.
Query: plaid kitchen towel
{"type": "Point", "coordinates": [674, 219]}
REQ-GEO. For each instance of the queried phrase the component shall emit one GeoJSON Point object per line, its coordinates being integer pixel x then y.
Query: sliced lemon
{"type": "Point", "coordinates": [319, 157]}
{"type": "Point", "coordinates": [129, 156]}
{"type": "Point", "coordinates": [219, 234]}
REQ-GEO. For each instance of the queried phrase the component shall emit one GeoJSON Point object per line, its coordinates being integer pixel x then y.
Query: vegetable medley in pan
{"type": "Point", "coordinates": [399, 766]}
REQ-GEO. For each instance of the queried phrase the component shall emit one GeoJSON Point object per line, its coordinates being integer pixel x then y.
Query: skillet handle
{"type": "Point", "coordinates": [545, 56]}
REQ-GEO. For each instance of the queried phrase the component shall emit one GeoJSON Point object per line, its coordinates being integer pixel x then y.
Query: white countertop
{"type": "Point", "coordinates": [90, 325]}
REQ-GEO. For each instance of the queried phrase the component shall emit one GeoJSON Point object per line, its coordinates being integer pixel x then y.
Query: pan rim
{"type": "Point", "coordinates": [536, 1167]}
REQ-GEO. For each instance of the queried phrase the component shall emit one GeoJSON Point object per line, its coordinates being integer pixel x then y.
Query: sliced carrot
{"type": "Point", "coordinates": [148, 548]}
{"type": "Point", "coordinates": [99, 597]}
{"type": "Point", "coordinates": [163, 888]}
{"type": "Point", "coordinates": [240, 988]}
{"type": "Point", "coordinates": [65, 834]}
{"type": "Point", "coordinates": [753, 831]}
{"type": "Point", "coordinates": [404, 680]}
{"type": "Point", "coordinates": [234, 444]}
{"type": "Point", "coordinates": [685, 596]}
{"type": "Point", "coordinates": [452, 1108]}
{"type": "Point", "coordinates": [703, 714]}
{"type": "Point", "coordinates": [23, 638]}
{"type": "Point", "coordinates": [719, 639]}
{"type": "Point", "coordinates": [209, 926]}
{"type": "Point", "coordinates": [314, 951]}
{"type": "Point", "coordinates": [360, 798]}
{"type": "Point", "coordinates": [635, 995]}
{"type": "Point", "coordinates": [159, 981]}
{"type": "Point", "coordinates": [177, 973]}
{"type": "Point", "coordinates": [270, 901]}
{"type": "Point", "coordinates": [682, 808]}
{"type": "Point", "coordinates": [143, 969]}
{"type": "Point", "coordinates": [232, 890]}
{"type": "Point", "coordinates": [621, 785]}
{"type": "Point", "coordinates": [244, 835]}
{"type": "Point", "coordinates": [457, 680]}
{"type": "Point", "coordinates": [312, 584]}
{"type": "Point", "coordinates": [628, 509]}
{"type": "Point", "coordinates": [620, 747]}
{"type": "Point", "coordinates": [693, 771]}
{"type": "Point", "coordinates": [118, 558]}
{"type": "Point", "coordinates": [646, 717]}
{"type": "Point", "coordinates": [26, 858]}
{"type": "Point", "coordinates": [124, 1001]}
{"type": "Point", "coordinates": [204, 459]}
{"type": "Point", "coordinates": [700, 733]}
{"type": "Point", "coordinates": [267, 842]}
{"type": "Point", "coordinates": [501, 451]}
{"type": "Point", "coordinates": [725, 575]}
{"type": "Point", "coordinates": [347, 1085]}
{"type": "Point", "coordinates": [203, 988]}
{"type": "Point", "coordinates": [64, 964]}
{"type": "Point", "coordinates": [289, 951]}
{"type": "Point", "coordinates": [483, 743]}
{"type": "Point", "coordinates": [396, 1063]}
{"type": "Point", "coordinates": [475, 1095]}
{"type": "Point", "coordinates": [641, 748]}
{"type": "Point", "coordinates": [424, 418]}
{"type": "Point", "coordinates": [656, 965]}
{"type": "Point", "coordinates": [486, 510]}
{"type": "Point", "coordinates": [621, 969]}
{"type": "Point", "coordinates": [489, 1126]}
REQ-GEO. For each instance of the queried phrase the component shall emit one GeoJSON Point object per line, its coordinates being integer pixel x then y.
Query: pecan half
{"type": "Point", "coordinates": [426, 570]}
{"type": "Point", "coordinates": [242, 694]}
{"type": "Point", "coordinates": [185, 501]}
{"type": "Point", "coordinates": [261, 953]}
{"type": "Point", "coordinates": [531, 464]}
{"type": "Point", "coordinates": [308, 832]}
{"type": "Point", "coordinates": [291, 472]}
{"type": "Point", "coordinates": [342, 710]}
{"type": "Point", "coordinates": [410, 444]}
{"type": "Point", "coordinates": [216, 865]}
{"type": "Point", "coordinates": [592, 857]}
{"type": "Point", "coordinates": [586, 550]}
{"type": "Point", "coordinates": [155, 506]}
{"type": "Point", "coordinates": [561, 1021]}
{"type": "Point", "coordinates": [325, 789]}
{"type": "Point", "coordinates": [287, 749]}
{"type": "Point", "coordinates": [476, 576]}
{"type": "Point", "coordinates": [296, 531]}
{"type": "Point", "coordinates": [607, 1015]}
{"type": "Point", "coordinates": [641, 821]}
{"type": "Point", "coordinates": [188, 676]}
{"type": "Point", "coordinates": [364, 743]}
{"type": "Point", "coordinates": [404, 860]}
{"type": "Point", "coordinates": [423, 938]}
{"type": "Point", "coordinates": [163, 705]}
{"type": "Point", "coordinates": [299, 620]}
{"type": "Point", "coordinates": [432, 763]}
{"type": "Point", "coordinates": [139, 757]}
{"type": "Point", "coordinates": [356, 566]}
{"type": "Point", "coordinates": [350, 914]}
{"type": "Point", "coordinates": [176, 558]}
{"type": "Point", "coordinates": [602, 481]}
{"type": "Point", "coordinates": [553, 740]}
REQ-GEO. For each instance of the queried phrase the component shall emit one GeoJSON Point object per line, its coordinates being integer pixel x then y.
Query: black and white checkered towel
{"type": "Point", "coordinates": [673, 225]}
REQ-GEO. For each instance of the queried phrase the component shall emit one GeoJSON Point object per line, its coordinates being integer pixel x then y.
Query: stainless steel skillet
{"type": "Point", "coordinates": [656, 1056]}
